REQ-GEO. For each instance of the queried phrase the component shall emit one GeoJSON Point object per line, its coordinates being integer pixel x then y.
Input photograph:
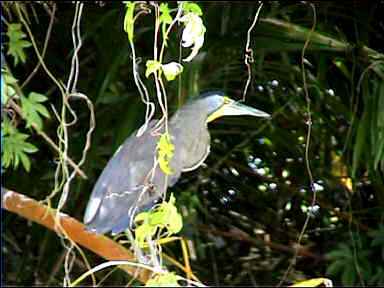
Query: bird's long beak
{"type": "Point", "coordinates": [233, 108]}
{"type": "Point", "coordinates": [236, 108]}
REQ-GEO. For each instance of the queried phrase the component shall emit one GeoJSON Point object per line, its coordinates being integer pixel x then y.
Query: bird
{"type": "Point", "coordinates": [132, 182]}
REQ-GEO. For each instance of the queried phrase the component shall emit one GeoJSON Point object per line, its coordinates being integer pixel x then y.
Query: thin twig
{"type": "Point", "coordinates": [47, 37]}
{"type": "Point", "coordinates": [162, 100]}
{"type": "Point", "coordinates": [307, 144]}
{"type": "Point", "coordinates": [62, 132]}
{"type": "Point", "coordinates": [58, 84]}
{"type": "Point", "coordinates": [150, 106]}
{"type": "Point", "coordinates": [47, 139]}
{"type": "Point", "coordinates": [249, 51]}
{"type": "Point", "coordinates": [243, 236]}
{"type": "Point", "coordinates": [38, 54]}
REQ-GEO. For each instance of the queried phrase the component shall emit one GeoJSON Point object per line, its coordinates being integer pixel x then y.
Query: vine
{"type": "Point", "coordinates": [156, 227]}
{"type": "Point", "coordinates": [31, 109]}
{"type": "Point", "coordinates": [307, 144]}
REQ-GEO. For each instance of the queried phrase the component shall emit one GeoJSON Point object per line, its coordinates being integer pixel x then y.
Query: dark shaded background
{"type": "Point", "coordinates": [254, 185]}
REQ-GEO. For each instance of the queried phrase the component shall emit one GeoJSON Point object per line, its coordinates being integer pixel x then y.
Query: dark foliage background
{"type": "Point", "coordinates": [253, 189]}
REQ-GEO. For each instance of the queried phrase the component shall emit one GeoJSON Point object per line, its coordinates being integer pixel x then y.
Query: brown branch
{"type": "Point", "coordinates": [243, 236]}
{"type": "Point", "coordinates": [99, 244]}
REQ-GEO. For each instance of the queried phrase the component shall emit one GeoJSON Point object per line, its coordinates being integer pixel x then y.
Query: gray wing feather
{"type": "Point", "coordinates": [120, 191]}
{"type": "Point", "coordinates": [122, 176]}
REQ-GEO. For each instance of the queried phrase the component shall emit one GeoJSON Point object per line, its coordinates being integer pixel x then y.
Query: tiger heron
{"type": "Point", "coordinates": [131, 182]}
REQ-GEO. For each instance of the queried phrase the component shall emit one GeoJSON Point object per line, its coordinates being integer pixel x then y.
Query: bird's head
{"type": "Point", "coordinates": [220, 105]}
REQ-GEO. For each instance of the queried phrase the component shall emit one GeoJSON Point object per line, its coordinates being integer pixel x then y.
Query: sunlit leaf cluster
{"type": "Point", "coordinates": [33, 109]}
{"type": "Point", "coordinates": [15, 147]}
{"type": "Point", "coordinates": [17, 43]}
{"type": "Point", "coordinates": [164, 216]}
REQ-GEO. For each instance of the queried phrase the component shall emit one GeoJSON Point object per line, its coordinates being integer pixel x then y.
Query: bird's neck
{"type": "Point", "coordinates": [194, 114]}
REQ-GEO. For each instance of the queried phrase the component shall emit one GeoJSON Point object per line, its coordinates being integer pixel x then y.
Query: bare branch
{"type": "Point", "coordinates": [103, 246]}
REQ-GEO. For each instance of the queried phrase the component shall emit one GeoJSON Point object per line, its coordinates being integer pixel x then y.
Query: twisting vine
{"type": "Point", "coordinates": [129, 21]}
{"type": "Point", "coordinates": [71, 92]}
{"type": "Point", "coordinates": [63, 175]}
{"type": "Point", "coordinates": [307, 145]}
{"type": "Point", "coordinates": [147, 235]}
{"type": "Point", "coordinates": [248, 58]}
{"type": "Point", "coordinates": [62, 167]}
{"type": "Point", "coordinates": [48, 35]}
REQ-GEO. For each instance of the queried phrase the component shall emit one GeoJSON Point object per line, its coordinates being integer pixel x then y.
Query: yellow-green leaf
{"type": "Point", "coordinates": [152, 67]}
{"type": "Point", "coordinates": [175, 221]}
{"type": "Point", "coordinates": [168, 279]}
{"type": "Point", "coordinates": [7, 86]}
{"type": "Point", "coordinates": [189, 7]}
{"type": "Point", "coordinates": [165, 153]}
{"type": "Point", "coordinates": [32, 109]}
{"type": "Point", "coordinates": [17, 43]}
{"type": "Point", "coordinates": [165, 145]}
{"type": "Point", "coordinates": [165, 16]}
{"type": "Point", "coordinates": [129, 19]}
{"type": "Point", "coordinates": [315, 282]}
{"type": "Point", "coordinates": [165, 19]}
{"type": "Point", "coordinates": [164, 216]}
{"type": "Point", "coordinates": [15, 147]}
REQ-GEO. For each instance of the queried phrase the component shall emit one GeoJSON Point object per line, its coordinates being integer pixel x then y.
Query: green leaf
{"type": "Point", "coordinates": [348, 276]}
{"type": "Point", "coordinates": [339, 63]}
{"type": "Point", "coordinates": [25, 161]}
{"type": "Point", "coordinates": [189, 7]}
{"type": "Point", "coordinates": [168, 279]}
{"type": "Point", "coordinates": [344, 262]}
{"type": "Point", "coordinates": [32, 109]}
{"type": "Point", "coordinates": [8, 83]}
{"type": "Point", "coordinates": [165, 153]}
{"type": "Point", "coordinates": [342, 251]}
{"type": "Point", "coordinates": [16, 43]}
{"type": "Point", "coordinates": [37, 97]}
{"type": "Point", "coordinates": [152, 67]}
{"type": "Point", "coordinates": [175, 222]}
{"type": "Point", "coordinates": [15, 148]}
{"type": "Point", "coordinates": [165, 16]}
{"type": "Point", "coordinates": [142, 232]}
{"type": "Point", "coordinates": [143, 216]}
{"type": "Point", "coordinates": [335, 268]}
{"type": "Point", "coordinates": [165, 19]}
{"type": "Point", "coordinates": [164, 216]}
{"type": "Point", "coordinates": [129, 20]}
{"type": "Point", "coordinates": [29, 148]}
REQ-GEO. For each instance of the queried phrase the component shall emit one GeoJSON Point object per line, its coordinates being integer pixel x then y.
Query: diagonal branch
{"type": "Point", "coordinates": [103, 246]}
